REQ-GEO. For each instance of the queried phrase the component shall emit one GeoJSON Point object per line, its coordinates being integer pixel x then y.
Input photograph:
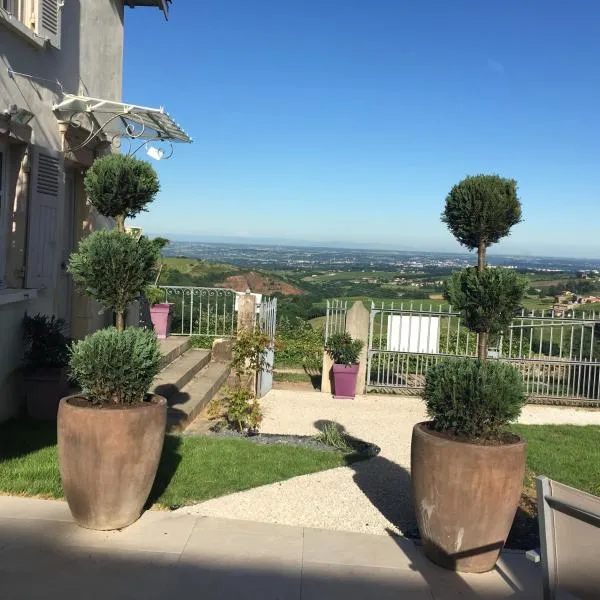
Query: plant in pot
{"type": "Point", "coordinates": [110, 436]}
{"type": "Point", "coordinates": [344, 352]}
{"type": "Point", "coordinates": [467, 469]}
{"type": "Point", "coordinates": [160, 309]}
{"type": "Point", "coordinates": [45, 375]}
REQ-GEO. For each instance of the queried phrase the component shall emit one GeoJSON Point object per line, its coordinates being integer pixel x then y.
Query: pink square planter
{"type": "Point", "coordinates": [161, 319]}
{"type": "Point", "coordinates": [344, 380]}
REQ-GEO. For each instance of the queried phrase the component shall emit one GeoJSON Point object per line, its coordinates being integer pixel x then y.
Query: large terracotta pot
{"type": "Point", "coordinates": [465, 497]}
{"type": "Point", "coordinates": [344, 380]}
{"type": "Point", "coordinates": [108, 459]}
{"type": "Point", "coordinates": [43, 390]}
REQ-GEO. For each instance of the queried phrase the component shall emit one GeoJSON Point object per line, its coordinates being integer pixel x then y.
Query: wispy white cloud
{"type": "Point", "coordinates": [494, 66]}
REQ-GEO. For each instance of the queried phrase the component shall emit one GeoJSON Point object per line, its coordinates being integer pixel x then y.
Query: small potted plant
{"type": "Point", "coordinates": [110, 436]}
{"type": "Point", "coordinates": [467, 468]}
{"type": "Point", "coordinates": [344, 352]}
{"type": "Point", "coordinates": [160, 311]}
{"type": "Point", "coordinates": [45, 374]}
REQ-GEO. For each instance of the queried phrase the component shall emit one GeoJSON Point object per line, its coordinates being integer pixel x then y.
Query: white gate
{"type": "Point", "coordinates": [267, 320]}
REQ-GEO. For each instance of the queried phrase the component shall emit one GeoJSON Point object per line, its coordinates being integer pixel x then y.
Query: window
{"type": "Point", "coordinates": [3, 209]}
{"type": "Point", "coordinates": [38, 20]}
{"type": "Point", "coordinates": [21, 10]}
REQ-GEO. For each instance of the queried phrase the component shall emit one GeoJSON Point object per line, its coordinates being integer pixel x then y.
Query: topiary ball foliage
{"type": "Point", "coordinates": [482, 209]}
{"type": "Point", "coordinates": [473, 398]}
{"type": "Point", "coordinates": [487, 299]}
{"type": "Point", "coordinates": [114, 267]}
{"type": "Point", "coordinates": [121, 185]}
{"type": "Point", "coordinates": [116, 366]}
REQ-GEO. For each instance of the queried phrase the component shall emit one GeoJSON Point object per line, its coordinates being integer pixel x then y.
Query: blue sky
{"type": "Point", "coordinates": [333, 120]}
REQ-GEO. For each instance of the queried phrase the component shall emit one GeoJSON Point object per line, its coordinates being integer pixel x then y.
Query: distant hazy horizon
{"type": "Point", "coordinates": [502, 249]}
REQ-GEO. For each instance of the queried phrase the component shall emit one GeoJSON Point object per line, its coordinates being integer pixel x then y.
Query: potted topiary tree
{"type": "Point", "coordinates": [45, 374]}
{"type": "Point", "coordinates": [344, 352]}
{"type": "Point", "coordinates": [467, 468]}
{"type": "Point", "coordinates": [110, 436]}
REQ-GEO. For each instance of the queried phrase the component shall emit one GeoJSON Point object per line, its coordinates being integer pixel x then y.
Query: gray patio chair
{"type": "Point", "coordinates": [569, 522]}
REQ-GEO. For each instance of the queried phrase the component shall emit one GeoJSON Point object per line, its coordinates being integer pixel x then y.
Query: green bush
{"type": "Point", "coordinates": [299, 344]}
{"type": "Point", "coordinates": [242, 409]}
{"type": "Point", "coordinates": [114, 268]}
{"type": "Point", "coordinates": [343, 349]}
{"type": "Point", "coordinates": [116, 366]}
{"type": "Point", "coordinates": [488, 299]}
{"type": "Point", "coordinates": [46, 345]}
{"type": "Point", "coordinates": [121, 186]}
{"type": "Point", "coordinates": [473, 398]}
{"type": "Point", "coordinates": [248, 352]}
{"type": "Point", "coordinates": [154, 295]}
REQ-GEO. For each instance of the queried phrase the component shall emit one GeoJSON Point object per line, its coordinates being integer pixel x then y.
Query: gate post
{"type": "Point", "coordinates": [357, 325]}
{"type": "Point", "coordinates": [246, 312]}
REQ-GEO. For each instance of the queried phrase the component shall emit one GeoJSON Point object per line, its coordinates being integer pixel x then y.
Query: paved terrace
{"type": "Point", "coordinates": [168, 555]}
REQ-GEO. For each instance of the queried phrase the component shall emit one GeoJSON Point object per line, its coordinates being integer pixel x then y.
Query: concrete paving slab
{"type": "Point", "coordinates": [34, 508]}
{"type": "Point", "coordinates": [357, 550]}
{"type": "Point", "coordinates": [248, 544]}
{"type": "Point", "coordinates": [169, 555]}
{"type": "Point", "coordinates": [350, 582]}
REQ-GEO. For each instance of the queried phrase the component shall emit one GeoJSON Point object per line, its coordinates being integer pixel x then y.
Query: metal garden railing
{"type": "Point", "coordinates": [335, 319]}
{"type": "Point", "coordinates": [202, 311]}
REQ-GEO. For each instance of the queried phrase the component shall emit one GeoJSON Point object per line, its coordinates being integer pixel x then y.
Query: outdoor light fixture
{"type": "Point", "coordinates": [155, 153]}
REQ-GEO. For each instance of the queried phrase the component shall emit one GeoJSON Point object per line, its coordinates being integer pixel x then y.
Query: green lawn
{"type": "Point", "coordinates": [567, 453]}
{"type": "Point", "coordinates": [192, 469]}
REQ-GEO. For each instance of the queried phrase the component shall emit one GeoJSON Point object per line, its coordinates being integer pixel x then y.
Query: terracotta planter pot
{"type": "Point", "coordinates": [161, 319]}
{"type": "Point", "coordinates": [344, 380]}
{"type": "Point", "coordinates": [108, 460]}
{"type": "Point", "coordinates": [43, 390]}
{"type": "Point", "coordinates": [465, 498]}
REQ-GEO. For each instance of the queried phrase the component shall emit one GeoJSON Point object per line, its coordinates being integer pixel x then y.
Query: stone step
{"type": "Point", "coordinates": [172, 379]}
{"type": "Point", "coordinates": [173, 347]}
{"type": "Point", "coordinates": [185, 406]}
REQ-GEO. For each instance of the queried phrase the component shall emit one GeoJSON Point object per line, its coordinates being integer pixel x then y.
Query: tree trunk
{"type": "Point", "coordinates": [481, 256]}
{"type": "Point", "coordinates": [120, 320]}
{"type": "Point", "coordinates": [120, 221]}
{"type": "Point", "coordinates": [482, 346]}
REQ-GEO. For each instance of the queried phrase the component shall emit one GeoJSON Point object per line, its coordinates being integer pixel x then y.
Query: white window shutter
{"type": "Point", "coordinates": [46, 187]}
{"type": "Point", "coordinates": [48, 17]}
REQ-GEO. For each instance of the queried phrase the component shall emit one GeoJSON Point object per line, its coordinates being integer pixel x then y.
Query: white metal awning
{"type": "Point", "coordinates": [111, 119]}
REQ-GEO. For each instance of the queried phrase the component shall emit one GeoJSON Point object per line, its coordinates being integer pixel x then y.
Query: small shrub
{"type": "Point", "coordinates": [154, 295]}
{"type": "Point", "coordinates": [248, 352]}
{"type": "Point", "coordinates": [343, 349]}
{"type": "Point", "coordinates": [242, 409]}
{"type": "Point", "coordinates": [116, 366]}
{"type": "Point", "coordinates": [202, 341]}
{"type": "Point", "coordinates": [46, 345]}
{"type": "Point", "coordinates": [333, 435]}
{"type": "Point", "coordinates": [473, 398]}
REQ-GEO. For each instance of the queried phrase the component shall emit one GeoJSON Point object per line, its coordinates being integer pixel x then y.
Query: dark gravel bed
{"type": "Point", "coordinates": [359, 447]}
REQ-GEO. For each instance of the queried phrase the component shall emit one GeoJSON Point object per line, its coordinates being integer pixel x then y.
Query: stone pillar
{"type": "Point", "coordinates": [357, 325]}
{"type": "Point", "coordinates": [326, 374]}
{"type": "Point", "coordinates": [246, 312]}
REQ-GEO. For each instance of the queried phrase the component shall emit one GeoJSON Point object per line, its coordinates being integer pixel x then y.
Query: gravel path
{"type": "Point", "coordinates": [372, 496]}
